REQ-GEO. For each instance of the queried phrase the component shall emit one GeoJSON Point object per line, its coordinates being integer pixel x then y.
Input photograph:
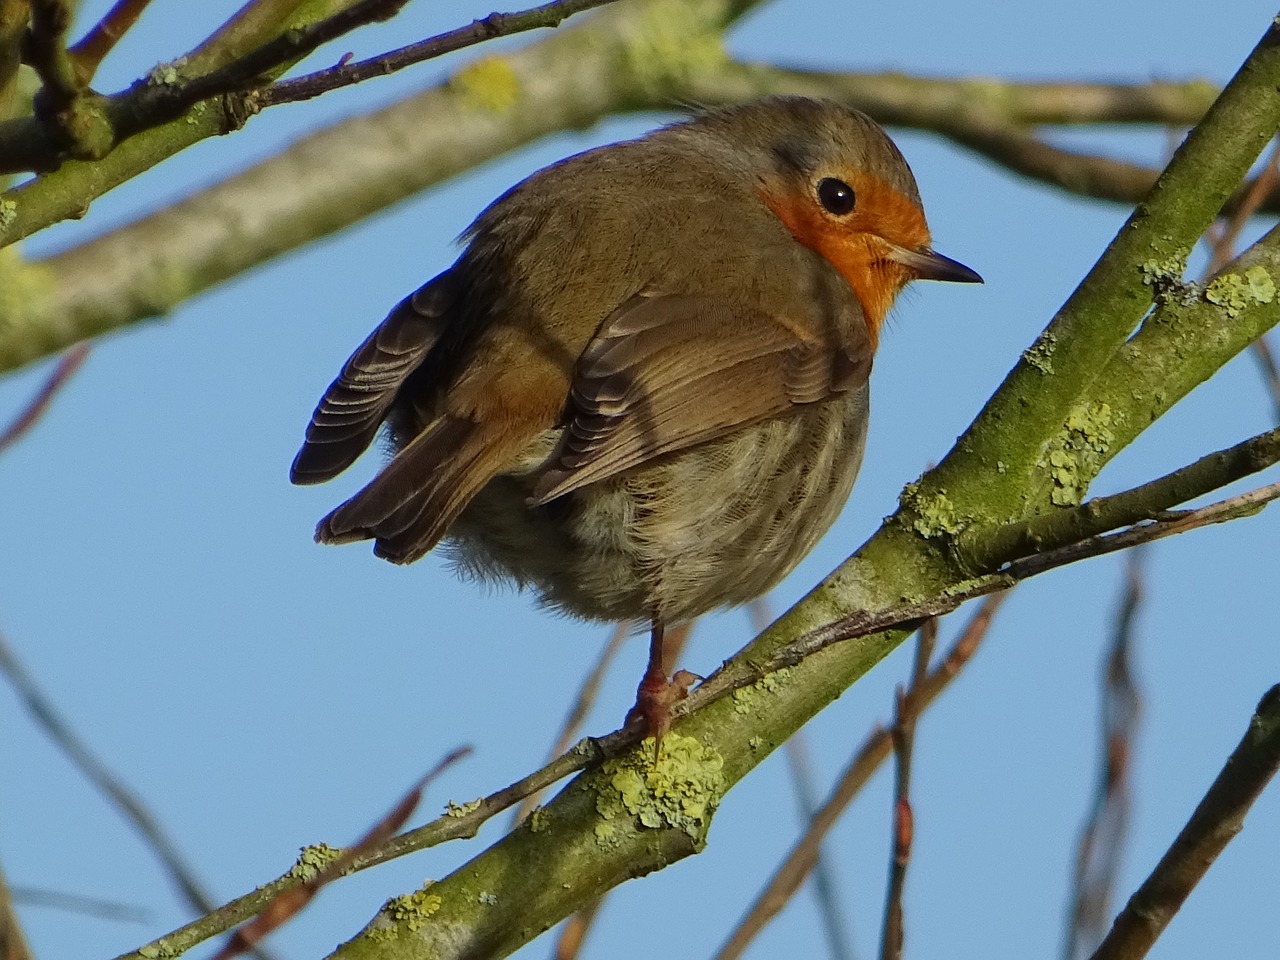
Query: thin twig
{"type": "Point", "coordinates": [78, 903]}
{"type": "Point", "coordinates": [486, 28]}
{"type": "Point", "coordinates": [574, 932]}
{"type": "Point", "coordinates": [50, 720]}
{"type": "Point", "coordinates": [875, 749]}
{"type": "Point", "coordinates": [1103, 838]}
{"type": "Point", "coordinates": [88, 53]}
{"type": "Point", "coordinates": [825, 885]}
{"type": "Point", "coordinates": [903, 735]}
{"type": "Point", "coordinates": [1222, 250]}
{"type": "Point", "coordinates": [37, 405]}
{"type": "Point", "coordinates": [582, 705]}
{"type": "Point", "coordinates": [1217, 819]}
{"type": "Point", "coordinates": [287, 904]}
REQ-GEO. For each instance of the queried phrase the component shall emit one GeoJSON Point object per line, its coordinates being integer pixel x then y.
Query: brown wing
{"type": "Point", "coordinates": [665, 373]}
{"type": "Point", "coordinates": [354, 406]}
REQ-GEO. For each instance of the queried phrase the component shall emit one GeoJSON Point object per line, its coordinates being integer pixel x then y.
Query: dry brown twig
{"type": "Point", "coordinates": [90, 50]}
{"type": "Point", "coordinates": [903, 734]}
{"type": "Point", "coordinates": [875, 749]}
{"type": "Point", "coordinates": [1222, 243]}
{"type": "Point", "coordinates": [126, 800]}
{"type": "Point", "coordinates": [825, 887]}
{"type": "Point", "coordinates": [1103, 838]}
{"type": "Point", "coordinates": [36, 408]}
{"type": "Point", "coordinates": [287, 904]}
{"type": "Point", "coordinates": [1217, 819]}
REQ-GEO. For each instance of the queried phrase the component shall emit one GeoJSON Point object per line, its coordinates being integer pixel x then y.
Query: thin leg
{"type": "Point", "coordinates": [653, 696]}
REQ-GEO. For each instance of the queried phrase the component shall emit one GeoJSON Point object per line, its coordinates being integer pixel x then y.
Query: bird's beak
{"type": "Point", "coordinates": [928, 265]}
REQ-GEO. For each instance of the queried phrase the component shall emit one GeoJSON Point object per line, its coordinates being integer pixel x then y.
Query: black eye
{"type": "Point", "coordinates": [836, 196]}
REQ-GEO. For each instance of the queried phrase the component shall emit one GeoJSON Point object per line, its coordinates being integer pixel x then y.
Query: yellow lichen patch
{"type": "Point", "coordinates": [1075, 456]}
{"type": "Point", "coordinates": [681, 790]}
{"type": "Point", "coordinates": [1234, 292]}
{"type": "Point", "coordinates": [488, 84]}
{"type": "Point", "coordinates": [936, 515]}
{"type": "Point", "coordinates": [539, 820]}
{"type": "Point", "coordinates": [413, 910]}
{"type": "Point", "coordinates": [460, 809]}
{"type": "Point", "coordinates": [313, 859]}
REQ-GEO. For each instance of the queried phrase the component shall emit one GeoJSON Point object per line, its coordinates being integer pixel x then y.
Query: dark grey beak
{"type": "Point", "coordinates": [928, 265]}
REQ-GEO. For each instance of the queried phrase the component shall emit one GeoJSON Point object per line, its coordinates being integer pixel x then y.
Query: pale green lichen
{"type": "Point", "coordinates": [936, 515]}
{"type": "Point", "coordinates": [488, 84]}
{"type": "Point", "coordinates": [164, 74]}
{"type": "Point", "coordinates": [158, 951]}
{"type": "Point", "coordinates": [680, 791]}
{"type": "Point", "coordinates": [1234, 292]}
{"type": "Point", "coordinates": [411, 911]}
{"type": "Point", "coordinates": [745, 698]}
{"type": "Point", "coordinates": [8, 211]}
{"type": "Point", "coordinates": [673, 42]}
{"type": "Point", "coordinates": [539, 820]}
{"type": "Point", "coordinates": [755, 743]}
{"type": "Point", "coordinates": [1165, 279]}
{"type": "Point", "coordinates": [312, 860]}
{"type": "Point", "coordinates": [460, 809]}
{"type": "Point", "coordinates": [1074, 457]}
{"type": "Point", "coordinates": [487, 898]}
{"type": "Point", "coordinates": [1040, 353]}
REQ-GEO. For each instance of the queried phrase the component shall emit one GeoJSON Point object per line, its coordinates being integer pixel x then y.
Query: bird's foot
{"type": "Point", "coordinates": [655, 697]}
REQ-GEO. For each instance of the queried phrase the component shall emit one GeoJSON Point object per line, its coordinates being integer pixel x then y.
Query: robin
{"type": "Point", "coordinates": [641, 390]}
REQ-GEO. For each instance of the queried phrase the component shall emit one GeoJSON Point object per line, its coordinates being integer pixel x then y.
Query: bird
{"type": "Point", "coordinates": [642, 388]}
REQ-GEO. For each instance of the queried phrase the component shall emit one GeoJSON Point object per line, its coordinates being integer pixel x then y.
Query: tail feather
{"type": "Point", "coordinates": [410, 505]}
{"type": "Point", "coordinates": [353, 408]}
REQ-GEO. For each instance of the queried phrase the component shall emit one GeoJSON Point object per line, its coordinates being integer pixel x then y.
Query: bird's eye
{"type": "Point", "coordinates": [836, 196]}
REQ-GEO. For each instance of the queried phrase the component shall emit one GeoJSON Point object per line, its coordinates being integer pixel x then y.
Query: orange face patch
{"type": "Point", "coordinates": [855, 244]}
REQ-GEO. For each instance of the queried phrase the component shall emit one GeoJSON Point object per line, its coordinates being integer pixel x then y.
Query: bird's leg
{"type": "Point", "coordinates": [653, 699]}
{"type": "Point", "coordinates": [656, 695]}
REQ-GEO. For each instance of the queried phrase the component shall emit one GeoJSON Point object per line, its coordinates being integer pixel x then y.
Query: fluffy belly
{"type": "Point", "coordinates": [715, 526]}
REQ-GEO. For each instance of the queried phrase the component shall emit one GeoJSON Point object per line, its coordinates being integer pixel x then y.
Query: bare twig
{"type": "Point", "coordinates": [1222, 249]}
{"type": "Point", "coordinates": [1263, 354]}
{"type": "Point", "coordinates": [36, 407]}
{"type": "Point", "coordinates": [486, 28]}
{"type": "Point", "coordinates": [582, 704]}
{"type": "Point", "coordinates": [1103, 839]}
{"type": "Point", "coordinates": [875, 749]}
{"type": "Point", "coordinates": [88, 53]}
{"type": "Point", "coordinates": [903, 733]}
{"type": "Point", "coordinates": [574, 932]}
{"type": "Point", "coordinates": [78, 903]}
{"type": "Point", "coordinates": [834, 918]}
{"type": "Point", "coordinates": [48, 718]}
{"type": "Point", "coordinates": [1218, 818]}
{"type": "Point", "coordinates": [286, 904]}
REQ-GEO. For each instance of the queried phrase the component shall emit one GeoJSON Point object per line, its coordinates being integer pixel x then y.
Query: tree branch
{"type": "Point", "coordinates": [1217, 819]}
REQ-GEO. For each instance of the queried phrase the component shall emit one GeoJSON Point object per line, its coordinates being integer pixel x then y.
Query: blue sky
{"type": "Point", "coordinates": [159, 577]}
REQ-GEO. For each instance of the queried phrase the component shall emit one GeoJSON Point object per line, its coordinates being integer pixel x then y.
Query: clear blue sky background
{"type": "Point", "coordinates": [157, 572]}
